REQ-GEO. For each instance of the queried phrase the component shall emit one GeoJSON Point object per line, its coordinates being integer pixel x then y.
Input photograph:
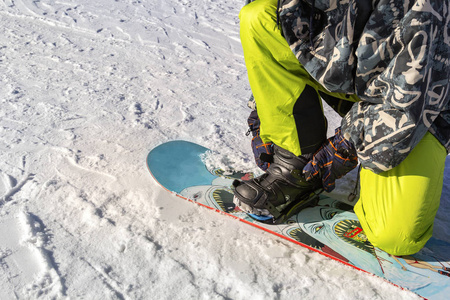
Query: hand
{"type": "Point", "coordinates": [334, 159]}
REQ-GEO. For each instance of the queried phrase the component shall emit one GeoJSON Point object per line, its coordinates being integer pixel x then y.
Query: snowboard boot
{"type": "Point", "coordinates": [279, 193]}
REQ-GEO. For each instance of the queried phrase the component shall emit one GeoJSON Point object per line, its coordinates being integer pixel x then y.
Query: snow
{"type": "Point", "coordinates": [88, 88]}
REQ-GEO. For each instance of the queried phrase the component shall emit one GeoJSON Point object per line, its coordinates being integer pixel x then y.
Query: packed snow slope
{"type": "Point", "coordinates": [87, 89]}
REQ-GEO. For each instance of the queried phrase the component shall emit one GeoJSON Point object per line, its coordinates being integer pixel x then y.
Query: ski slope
{"type": "Point", "coordinates": [87, 89]}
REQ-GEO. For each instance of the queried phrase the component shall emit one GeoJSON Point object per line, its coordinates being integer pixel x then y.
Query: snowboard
{"type": "Point", "coordinates": [329, 228]}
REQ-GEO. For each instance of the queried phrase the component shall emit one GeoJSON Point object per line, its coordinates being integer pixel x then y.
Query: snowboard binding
{"type": "Point", "coordinates": [281, 192]}
{"type": "Point", "coordinates": [282, 217]}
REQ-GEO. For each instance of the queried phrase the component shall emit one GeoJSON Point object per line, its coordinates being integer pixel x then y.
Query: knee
{"type": "Point", "coordinates": [400, 239]}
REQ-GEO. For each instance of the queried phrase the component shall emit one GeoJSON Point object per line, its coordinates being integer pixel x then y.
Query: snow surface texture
{"type": "Point", "coordinates": [87, 89]}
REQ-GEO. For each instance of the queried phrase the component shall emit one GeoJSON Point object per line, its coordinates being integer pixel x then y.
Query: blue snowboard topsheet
{"type": "Point", "coordinates": [174, 163]}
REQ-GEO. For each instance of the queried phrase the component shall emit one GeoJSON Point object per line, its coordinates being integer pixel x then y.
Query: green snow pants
{"type": "Point", "coordinates": [396, 208]}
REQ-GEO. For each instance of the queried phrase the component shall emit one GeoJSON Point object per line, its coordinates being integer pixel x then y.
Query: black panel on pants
{"type": "Point", "coordinates": [310, 120]}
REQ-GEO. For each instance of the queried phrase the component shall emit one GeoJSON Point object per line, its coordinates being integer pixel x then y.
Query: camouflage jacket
{"type": "Point", "coordinates": [393, 54]}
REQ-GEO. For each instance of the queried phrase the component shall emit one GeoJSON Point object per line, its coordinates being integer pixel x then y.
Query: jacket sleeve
{"type": "Point", "coordinates": [392, 54]}
{"type": "Point", "coordinates": [402, 78]}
